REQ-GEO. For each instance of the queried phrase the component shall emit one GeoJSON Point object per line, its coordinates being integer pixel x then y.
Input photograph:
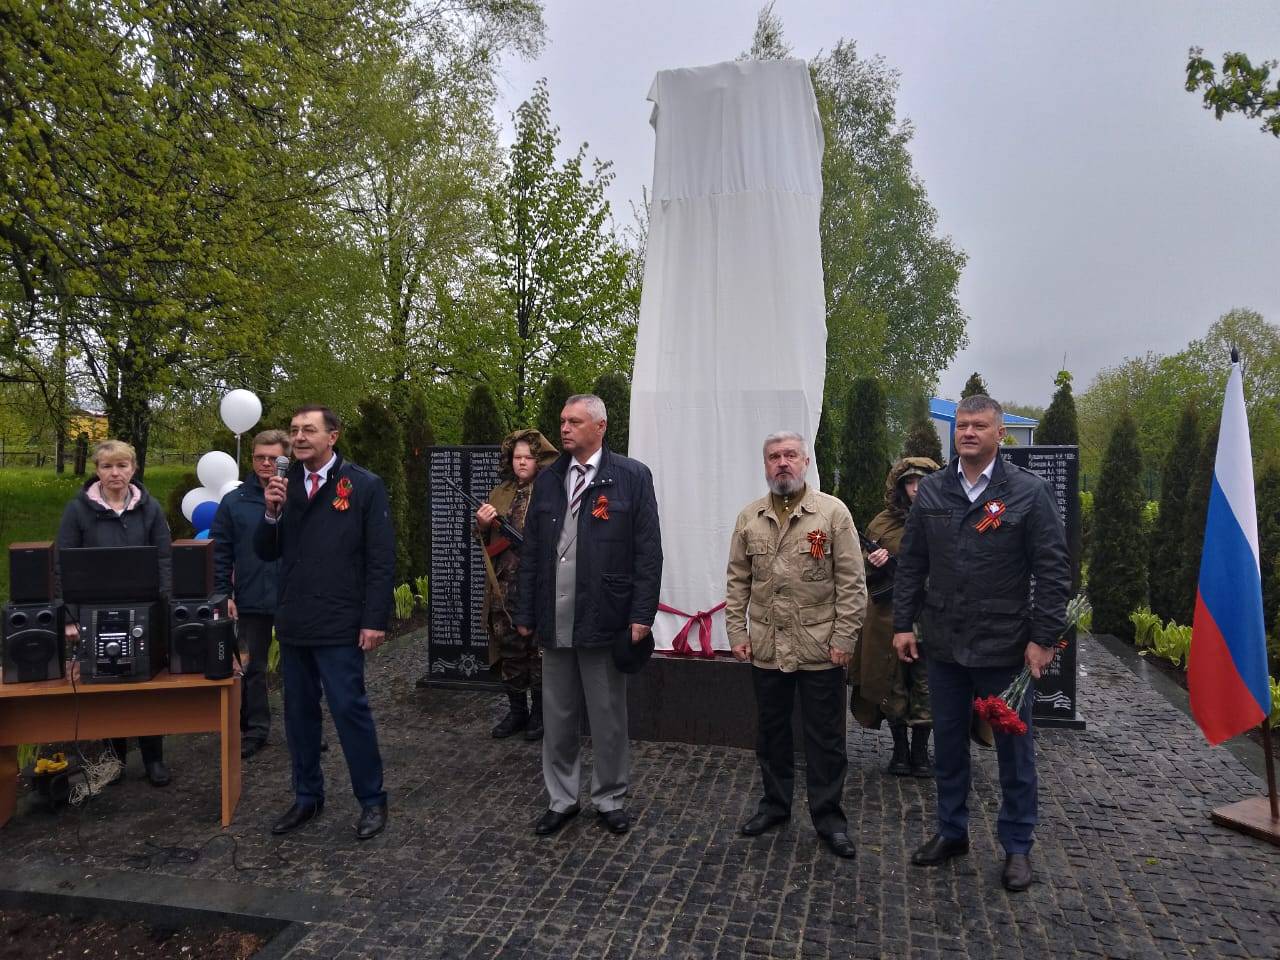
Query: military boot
{"type": "Point", "coordinates": [900, 765]}
{"type": "Point", "coordinates": [534, 730]}
{"type": "Point", "coordinates": [921, 765]}
{"type": "Point", "coordinates": [517, 717]}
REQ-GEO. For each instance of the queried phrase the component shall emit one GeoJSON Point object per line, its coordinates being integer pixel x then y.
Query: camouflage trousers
{"type": "Point", "coordinates": [519, 659]}
{"type": "Point", "coordinates": [908, 700]}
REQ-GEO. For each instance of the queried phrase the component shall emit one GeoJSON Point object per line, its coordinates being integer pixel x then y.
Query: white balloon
{"type": "Point", "coordinates": [215, 468]}
{"type": "Point", "coordinates": [240, 410]}
{"type": "Point", "coordinates": [228, 487]}
{"type": "Point", "coordinates": [193, 498]}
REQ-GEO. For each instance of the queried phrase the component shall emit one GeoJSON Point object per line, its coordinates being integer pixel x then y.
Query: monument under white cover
{"type": "Point", "coordinates": [732, 334]}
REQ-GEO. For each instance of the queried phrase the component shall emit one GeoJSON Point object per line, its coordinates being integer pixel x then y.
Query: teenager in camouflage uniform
{"type": "Point", "coordinates": [518, 658]}
{"type": "Point", "coordinates": [885, 688]}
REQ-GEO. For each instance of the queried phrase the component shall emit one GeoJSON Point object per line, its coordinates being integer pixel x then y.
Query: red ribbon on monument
{"type": "Point", "coordinates": [703, 619]}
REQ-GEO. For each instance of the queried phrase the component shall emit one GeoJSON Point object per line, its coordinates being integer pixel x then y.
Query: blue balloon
{"type": "Point", "coordinates": [202, 535]}
{"type": "Point", "coordinates": [202, 516]}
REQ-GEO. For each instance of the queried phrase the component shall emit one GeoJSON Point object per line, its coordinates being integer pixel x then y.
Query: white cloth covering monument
{"type": "Point", "coordinates": [732, 335]}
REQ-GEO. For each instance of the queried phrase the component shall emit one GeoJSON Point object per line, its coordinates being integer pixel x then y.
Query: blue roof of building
{"type": "Point", "coordinates": [946, 410]}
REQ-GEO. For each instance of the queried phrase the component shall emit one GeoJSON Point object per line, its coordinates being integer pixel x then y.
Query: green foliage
{"type": "Point", "coordinates": [418, 439]}
{"type": "Point", "coordinates": [1086, 525]}
{"type": "Point", "coordinates": [1241, 88]}
{"type": "Point", "coordinates": [1195, 515]}
{"type": "Point", "coordinates": [481, 422]}
{"type": "Point", "coordinates": [1058, 425]}
{"type": "Point", "coordinates": [28, 754]}
{"type": "Point", "coordinates": [420, 590]}
{"type": "Point", "coordinates": [922, 436]}
{"type": "Point", "coordinates": [273, 656]}
{"type": "Point", "coordinates": [377, 444]}
{"type": "Point", "coordinates": [1117, 565]}
{"type": "Point", "coordinates": [179, 526]}
{"type": "Point", "coordinates": [865, 445]}
{"type": "Point", "coordinates": [404, 601]}
{"type": "Point", "coordinates": [891, 276]}
{"type": "Point", "coordinates": [1268, 502]}
{"type": "Point", "coordinates": [562, 287]}
{"type": "Point", "coordinates": [1170, 640]}
{"type": "Point", "coordinates": [615, 390]}
{"type": "Point", "coordinates": [1168, 599]}
{"type": "Point", "coordinates": [554, 393]}
{"type": "Point", "coordinates": [974, 386]}
{"type": "Point", "coordinates": [1274, 718]}
{"type": "Point", "coordinates": [825, 452]}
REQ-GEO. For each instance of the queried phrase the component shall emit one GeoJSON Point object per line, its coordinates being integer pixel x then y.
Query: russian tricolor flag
{"type": "Point", "coordinates": [1227, 668]}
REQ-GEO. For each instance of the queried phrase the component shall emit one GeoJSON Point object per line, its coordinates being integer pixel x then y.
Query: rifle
{"type": "Point", "coordinates": [511, 537]}
{"type": "Point", "coordinates": [882, 577]}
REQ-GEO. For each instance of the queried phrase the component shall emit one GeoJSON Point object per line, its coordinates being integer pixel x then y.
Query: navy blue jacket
{"type": "Point", "coordinates": [337, 567]}
{"type": "Point", "coordinates": [236, 565]}
{"type": "Point", "coordinates": [619, 568]}
{"type": "Point", "coordinates": [972, 589]}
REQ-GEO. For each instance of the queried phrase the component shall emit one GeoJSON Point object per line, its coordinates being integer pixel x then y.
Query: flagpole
{"type": "Point", "coordinates": [1271, 769]}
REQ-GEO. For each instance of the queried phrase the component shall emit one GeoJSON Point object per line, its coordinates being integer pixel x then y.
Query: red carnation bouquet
{"type": "Point", "coordinates": [1003, 712]}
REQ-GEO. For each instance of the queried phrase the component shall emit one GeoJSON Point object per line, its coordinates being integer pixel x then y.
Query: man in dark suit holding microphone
{"type": "Point", "coordinates": [328, 523]}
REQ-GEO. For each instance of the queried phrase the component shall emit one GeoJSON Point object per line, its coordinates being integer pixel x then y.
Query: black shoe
{"type": "Point", "coordinates": [939, 850]}
{"type": "Point", "coordinates": [921, 765]}
{"type": "Point", "coordinates": [839, 844]}
{"type": "Point", "coordinates": [763, 822]}
{"type": "Point", "coordinates": [517, 717]}
{"type": "Point", "coordinates": [615, 821]}
{"type": "Point", "coordinates": [534, 730]}
{"type": "Point", "coordinates": [249, 747]}
{"type": "Point", "coordinates": [900, 764]}
{"type": "Point", "coordinates": [157, 773]}
{"type": "Point", "coordinates": [551, 821]}
{"type": "Point", "coordinates": [1017, 872]}
{"type": "Point", "coordinates": [373, 820]}
{"type": "Point", "coordinates": [296, 816]}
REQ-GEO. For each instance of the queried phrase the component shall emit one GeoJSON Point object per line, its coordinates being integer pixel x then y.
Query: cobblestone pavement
{"type": "Point", "coordinates": [1129, 864]}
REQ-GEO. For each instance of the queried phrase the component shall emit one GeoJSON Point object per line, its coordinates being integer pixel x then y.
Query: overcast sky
{"type": "Point", "coordinates": [1104, 212]}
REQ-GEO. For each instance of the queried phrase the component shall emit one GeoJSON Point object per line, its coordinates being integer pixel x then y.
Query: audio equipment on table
{"type": "Point", "coordinates": [122, 642]}
{"type": "Point", "coordinates": [34, 645]}
{"type": "Point", "coordinates": [188, 620]}
{"type": "Point", "coordinates": [110, 575]}
{"type": "Point", "coordinates": [220, 647]}
{"type": "Point", "coordinates": [192, 568]}
{"type": "Point", "coordinates": [31, 572]}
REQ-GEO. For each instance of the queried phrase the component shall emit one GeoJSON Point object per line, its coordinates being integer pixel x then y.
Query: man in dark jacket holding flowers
{"type": "Point", "coordinates": [979, 531]}
{"type": "Point", "coordinates": [329, 525]}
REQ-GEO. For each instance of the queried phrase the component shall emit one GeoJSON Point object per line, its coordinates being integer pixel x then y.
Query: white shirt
{"type": "Point", "coordinates": [322, 473]}
{"type": "Point", "coordinates": [571, 477]}
{"type": "Point", "coordinates": [974, 490]}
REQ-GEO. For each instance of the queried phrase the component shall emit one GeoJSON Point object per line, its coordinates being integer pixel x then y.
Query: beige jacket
{"type": "Point", "coordinates": [792, 606]}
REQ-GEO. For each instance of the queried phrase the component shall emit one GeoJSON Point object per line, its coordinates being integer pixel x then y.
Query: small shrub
{"type": "Point", "coordinates": [420, 594]}
{"type": "Point", "coordinates": [404, 601]}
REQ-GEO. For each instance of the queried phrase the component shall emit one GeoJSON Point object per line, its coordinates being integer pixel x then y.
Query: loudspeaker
{"type": "Point", "coordinates": [220, 647]}
{"type": "Point", "coordinates": [122, 643]}
{"type": "Point", "coordinates": [187, 622]}
{"type": "Point", "coordinates": [31, 572]}
{"type": "Point", "coordinates": [192, 568]}
{"type": "Point", "coordinates": [34, 646]}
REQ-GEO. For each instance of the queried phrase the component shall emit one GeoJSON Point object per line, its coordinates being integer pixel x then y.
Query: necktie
{"type": "Point", "coordinates": [315, 485]}
{"type": "Point", "coordinates": [578, 484]}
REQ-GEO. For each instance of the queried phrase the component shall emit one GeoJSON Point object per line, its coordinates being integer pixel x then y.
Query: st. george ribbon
{"type": "Point", "coordinates": [731, 343]}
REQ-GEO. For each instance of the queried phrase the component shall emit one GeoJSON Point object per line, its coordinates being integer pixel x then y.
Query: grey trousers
{"type": "Point", "coordinates": [571, 678]}
{"type": "Point", "coordinates": [255, 707]}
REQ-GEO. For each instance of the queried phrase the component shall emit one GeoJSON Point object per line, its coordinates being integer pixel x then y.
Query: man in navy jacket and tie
{"type": "Point", "coordinates": [329, 524]}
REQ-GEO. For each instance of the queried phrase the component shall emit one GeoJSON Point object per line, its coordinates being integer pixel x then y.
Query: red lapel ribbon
{"type": "Point", "coordinates": [342, 500]}
{"type": "Point", "coordinates": [991, 521]}
{"type": "Point", "coordinates": [817, 540]}
{"type": "Point", "coordinates": [601, 510]}
{"type": "Point", "coordinates": [703, 619]}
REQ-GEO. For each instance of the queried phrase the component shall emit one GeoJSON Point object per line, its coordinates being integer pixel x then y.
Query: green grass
{"type": "Point", "coordinates": [32, 501]}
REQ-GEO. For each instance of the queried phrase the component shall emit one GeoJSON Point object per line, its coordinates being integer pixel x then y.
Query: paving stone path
{"type": "Point", "coordinates": [1129, 864]}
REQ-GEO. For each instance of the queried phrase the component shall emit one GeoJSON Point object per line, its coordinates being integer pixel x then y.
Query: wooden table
{"type": "Point", "coordinates": [49, 711]}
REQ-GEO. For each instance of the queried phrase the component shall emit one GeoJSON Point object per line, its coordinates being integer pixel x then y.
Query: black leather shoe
{"type": "Point", "coordinates": [1017, 872]}
{"type": "Point", "coordinates": [553, 820]}
{"type": "Point", "coordinates": [763, 822]}
{"type": "Point", "coordinates": [295, 817]}
{"type": "Point", "coordinates": [615, 821]}
{"type": "Point", "coordinates": [840, 844]}
{"type": "Point", "coordinates": [249, 747]}
{"type": "Point", "coordinates": [939, 850]}
{"type": "Point", "coordinates": [157, 773]}
{"type": "Point", "coordinates": [373, 820]}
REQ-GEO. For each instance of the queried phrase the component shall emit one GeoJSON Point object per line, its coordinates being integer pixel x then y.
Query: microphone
{"type": "Point", "coordinates": [282, 466]}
